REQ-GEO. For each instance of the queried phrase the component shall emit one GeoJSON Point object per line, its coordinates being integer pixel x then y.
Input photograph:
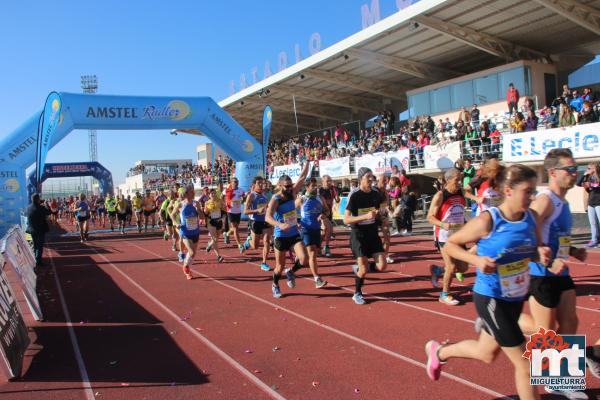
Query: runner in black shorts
{"type": "Point", "coordinates": [361, 214]}
{"type": "Point", "coordinates": [256, 208]}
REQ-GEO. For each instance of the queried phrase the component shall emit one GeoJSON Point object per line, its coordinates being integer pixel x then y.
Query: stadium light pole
{"type": "Point", "coordinates": [89, 84]}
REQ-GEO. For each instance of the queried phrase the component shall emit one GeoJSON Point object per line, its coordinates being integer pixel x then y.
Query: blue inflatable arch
{"type": "Point", "coordinates": [195, 115]}
{"type": "Point", "coordinates": [69, 170]}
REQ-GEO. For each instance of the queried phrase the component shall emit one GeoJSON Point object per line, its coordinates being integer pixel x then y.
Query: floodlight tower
{"type": "Point", "coordinates": [89, 84]}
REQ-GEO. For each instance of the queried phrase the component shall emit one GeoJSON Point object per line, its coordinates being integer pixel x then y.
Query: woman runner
{"type": "Point", "coordinates": [214, 210]}
{"type": "Point", "coordinates": [82, 211]}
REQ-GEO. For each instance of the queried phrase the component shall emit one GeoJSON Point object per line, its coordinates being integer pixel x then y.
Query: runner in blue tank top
{"type": "Point", "coordinates": [256, 208]}
{"type": "Point", "coordinates": [313, 210]}
{"type": "Point", "coordinates": [82, 212]}
{"type": "Point", "coordinates": [281, 214]}
{"type": "Point", "coordinates": [507, 239]}
{"type": "Point", "coordinates": [187, 217]}
{"type": "Point", "coordinates": [552, 300]}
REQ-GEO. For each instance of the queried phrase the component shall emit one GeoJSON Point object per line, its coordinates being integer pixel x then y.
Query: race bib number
{"type": "Point", "coordinates": [191, 223]}
{"type": "Point", "coordinates": [290, 218]}
{"type": "Point", "coordinates": [236, 205]}
{"type": "Point", "coordinates": [454, 227]}
{"type": "Point", "coordinates": [363, 211]}
{"type": "Point", "coordinates": [514, 278]}
{"type": "Point", "coordinates": [564, 247]}
{"type": "Point", "coordinates": [82, 213]}
{"type": "Point", "coordinates": [215, 215]}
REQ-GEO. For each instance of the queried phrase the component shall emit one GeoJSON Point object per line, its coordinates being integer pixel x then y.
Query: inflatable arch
{"type": "Point", "coordinates": [68, 170]}
{"type": "Point", "coordinates": [194, 115]}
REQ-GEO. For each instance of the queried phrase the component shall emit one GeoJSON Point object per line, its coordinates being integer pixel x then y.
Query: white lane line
{"type": "Point", "coordinates": [332, 329]}
{"type": "Point", "coordinates": [85, 380]}
{"type": "Point", "coordinates": [263, 386]}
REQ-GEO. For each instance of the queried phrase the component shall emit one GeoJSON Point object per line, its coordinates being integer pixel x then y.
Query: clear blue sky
{"type": "Point", "coordinates": [178, 48]}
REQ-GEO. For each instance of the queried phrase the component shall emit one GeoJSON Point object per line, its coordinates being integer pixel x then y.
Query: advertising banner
{"type": "Point", "coordinates": [291, 170]}
{"type": "Point", "coordinates": [375, 162]}
{"type": "Point", "coordinates": [335, 168]}
{"type": "Point", "coordinates": [400, 158]}
{"type": "Point", "coordinates": [12, 194]}
{"type": "Point", "coordinates": [13, 331]}
{"type": "Point", "coordinates": [49, 122]}
{"type": "Point", "coordinates": [441, 157]}
{"type": "Point", "coordinates": [583, 140]}
{"type": "Point", "coordinates": [17, 251]}
{"type": "Point", "coordinates": [266, 133]}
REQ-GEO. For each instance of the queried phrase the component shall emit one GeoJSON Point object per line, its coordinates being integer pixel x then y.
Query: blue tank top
{"type": "Point", "coordinates": [512, 244]}
{"type": "Point", "coordinates": [85, 209]}
{"type": "Point", "coordinates": [556, 233]}
{"type": "Point", "coordinates": [286, 212]}
{"type": "Point", "coordinates": [258, 200]}
{"type": "Point", "coordinates": [311, 208]}
{"type": "Point", "coordinates": [190, 225]}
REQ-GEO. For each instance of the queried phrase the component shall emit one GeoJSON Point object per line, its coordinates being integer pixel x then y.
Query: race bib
{"type": "Point", "coordinates": [454, 227]}
{"type": "Point", "coordinates": [564, 247]}
{"type": "Point", "coordinates": [191, 223]}
{"type": "Point", "coordinates": [495, 201]}
{"type": "Point", "coordinates": [82, 213]}
{"type": "Point", "coordinates": [215, 215]}
{"type": "Point", "coordinates": [514, 278]}
{"type": "Point", "coordinates": [290, 218]}
{"type": "Point", "coordinates": [363, 211]}
{"type": "Point", "coordinates": [236, 205]}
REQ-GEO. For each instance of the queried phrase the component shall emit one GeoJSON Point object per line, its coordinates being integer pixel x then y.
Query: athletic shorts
{"type": "Point", "coordinates": [121, 217]}
{"type": "Point", "coordinates": [82, 219]}
{"type": "Point", "coordinates": [547, 290]}
{"type": "Point", "coordinates": [102, 211]}
{"type": "Point", "coordinates": [193, 239]}
{"type": "Point", "coordinates": [234, 218]}
{"type": "Point", "coordinates": [148, 213]}
{"type": "Point", "coordinates": [163, 215]}
{"type": "Point", "coordinates": [259, 226]}
{"type": "Point", "coordinates": [168, 220]}
{"type": "Point", "coordinates": [365, 243]}
{"type": "Point", "coordinates": [217, 223]}
{"type": "Point", "coordinates": [286, 243]}
{"type": "Point", "coordinates": [501, 319]}
{"type": "Point", "coordinates": [138, 210]}
{"type": "Point", "coordinates": [55, 213]}
{"type": "Point", "coordinates": [311, 237]}
{"type": "Point", "coordinates": [112, 213]}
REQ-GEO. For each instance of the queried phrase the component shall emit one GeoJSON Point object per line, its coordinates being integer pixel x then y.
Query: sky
{"type": "Point", "coordinates": [176, 48]}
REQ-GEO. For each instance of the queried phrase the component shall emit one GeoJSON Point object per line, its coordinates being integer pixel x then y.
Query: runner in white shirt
{"type": "Point", "coordinates": [234, 197]}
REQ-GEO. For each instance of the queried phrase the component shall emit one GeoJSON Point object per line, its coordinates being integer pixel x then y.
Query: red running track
{"type": "Point", "coordinates": [142, 331]}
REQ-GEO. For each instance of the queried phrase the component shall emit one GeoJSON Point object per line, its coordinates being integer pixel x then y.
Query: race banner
{"type": "Point", "coordinates": [335, 168]}
{"type": "Point", "coordinates": [375, 162]}
{"type": "Point", "coordinates": [400, 158]}
{"type": "Point", "coordinates": [583, 140]}
{"type": "Point", "coordinates": [13, 331]}
{"type": "Point", "coordinates": [291, 170]}
{"type": "Point", "coordinates": [17, 251]}
{"type": "Point", "coordinates": [266, 133]}
{"type": "Point", "coordinates": [441, 156]}
{"type": "Point", "coordinates": [49, 121]}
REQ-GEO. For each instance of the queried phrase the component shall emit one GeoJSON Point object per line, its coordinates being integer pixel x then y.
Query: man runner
{"type": "Point", "coordinates": [256, 208]}
{"type": "Point", "coordinates": [234, 196]}
{"type": "Point", "coordinates": [136, 203]}
{"type": "Point", "coordinates": [111, 207]}
{"type": "Point", "coordinates": [329, 194]}
{"type": "Point", "coordinates": [149, 207]}
{"type": "Point", "coordinates": [188, 225]}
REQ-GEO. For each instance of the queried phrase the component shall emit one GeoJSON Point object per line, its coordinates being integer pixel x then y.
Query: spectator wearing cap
{"type": "Point", "coordinates": [512, 98]}
{"type": "Point", "coordinates": [37, 226]}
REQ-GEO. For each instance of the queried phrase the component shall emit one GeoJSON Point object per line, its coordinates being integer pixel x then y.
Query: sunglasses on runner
{"type": "Point", "coordinates": [572, 169]}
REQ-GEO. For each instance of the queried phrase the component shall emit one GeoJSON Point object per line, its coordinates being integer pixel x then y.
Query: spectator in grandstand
{"type": "Point", "coordinates": [566, 95]}
{"type": "Point", "coordinates": [448, 125]}
{"type": "Point", "coordinates": [549, 119]}
{"type": "Point", "coordinates": [464, 115]}
{"type": "Point", "coordinates": [495, 136]}
{"type": "Point", "coordinates": [527, 105]}
{"type": "Point", "coordinates": [531, 123]}
{"type": "Point", "coordinates": [475, 117]}
{"type": "Point", "coordinates": [512, 98]}
{"type": "Point", "coordinates": [590, 181]}
{"type": "Point", "coordinates": [587, 114]}
{"type": "Point", "coordinates": [517, 123]}
{"type": "Point", "coordinates": [37, 226]}
{"type": "Point", "coordinates": [469, 172]}
{"type": "Point", "coordinates": [577, 102]}
{"type": "Point", "coordinates": [589, 95]}
{"type": "Point", "coordinates": [484, 136]}
{"type": "Point", "coordinates": [472, 139]}
{"type": "Point", "coordinates": [566, 117]}
{"type": "Point", "coordinates": [404, 180]}
{"type": "Point", "coordinates": [461, 130]}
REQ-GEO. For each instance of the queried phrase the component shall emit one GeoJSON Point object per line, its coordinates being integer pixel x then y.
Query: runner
{"type": "Point", "coordinates": [313, 210]}
{"type": "Point", "coordinates": [382, 184]}
{"type": "Point", "coordinates": [281, 214]}
{"type": "Point", "coordinates": [234, 197]}
{"type": "Point", "coordinates": [94, 210]}
{"type": "Point", "coordinates": [362, 214]}
{"type": "Point", "coordinates": [82, 210]}
{"type": "Point", "coordinates": [447, 215]}
{"type": "Point", "coordinates": [122, 212]}
{"type": "Point", "coordinates": [149, 207]}
{"type": "Point", "coordinates": [173, 210]}
{"type": "Point", "coordinates": [160, 198]}
{"type": "Point", "coordinates": [129, 210]}
{"type": "Point", "coordinates": [507, 239]}
{"type": "Point", "coordinates": [486, 186]}
{"type": "Point", "coordinates": [164, 209]}
{"type": "Point", "coordinates": [101, 212]}
{"type": "Point", "coordinates": [111, 207]}
{"type": "Point", "coordinates": [54, 211]}
{"type": "Point", "coordinates": [214, 210]}
{"type": "Point", "coordinates": [552, 294]}
{"type": "Point", "coordinates": [256, 207]}
{"type": "Point", "coordinates": [186, 217]}
{"type": "Point", "coordinates": [136, 203]}
{"type": "Point", "coordinates": [329, 193]}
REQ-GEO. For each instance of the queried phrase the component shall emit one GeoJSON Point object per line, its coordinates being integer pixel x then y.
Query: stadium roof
{"type": "Point", "coordinates": [428, 42]}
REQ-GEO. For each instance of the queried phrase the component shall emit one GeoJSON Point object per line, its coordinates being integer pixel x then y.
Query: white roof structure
{"type": "Point", "coordinates": [428, 42]}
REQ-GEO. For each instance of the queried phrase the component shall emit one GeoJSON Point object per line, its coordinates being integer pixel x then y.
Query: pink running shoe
{"type": "Point", "coordinates": [434, 366]}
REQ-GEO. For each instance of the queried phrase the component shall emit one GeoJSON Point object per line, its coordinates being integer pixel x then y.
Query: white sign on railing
{"type": "Point", "coordinates": [291, 170]}
{"type": "Point", "coordinates": [400, 158]}
{"type": "Point", "coordinates": [583, 140]}
{"type": "Point", "coordinates": [335, 168]}
{"type": "Point", "coordinates": [441, 157]}
{"type": "Point", "coordinates": [375, 162]}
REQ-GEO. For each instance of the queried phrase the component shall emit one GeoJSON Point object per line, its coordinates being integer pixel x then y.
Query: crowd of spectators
{"type": "Point", "coordinates": [221, 171]}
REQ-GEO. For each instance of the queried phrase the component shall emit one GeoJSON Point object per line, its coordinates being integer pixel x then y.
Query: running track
{"type": "Point", "coordinates": [132, 327]}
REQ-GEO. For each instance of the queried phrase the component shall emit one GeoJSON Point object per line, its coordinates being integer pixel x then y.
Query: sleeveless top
{"type": "Point", "coordinates": [286, 213]}
{"type": "Point", "coordinates": [492, 198]}
{"type": "Point", "coordinates": [84, 209]}
{"type": "Point", "coordinates": [258, 200]}
{"type": "Point", "coordinates": [190, 224]}
{"type": "Point", "coordinates": [452, 212]}
{"type": "Point", "coordinates": [311, 208]}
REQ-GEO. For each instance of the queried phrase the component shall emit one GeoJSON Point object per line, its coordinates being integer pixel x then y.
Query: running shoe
{"type": "Point", "coordinates": [569, 394]}
{"type": "Point", "coordinates": [435, 272]}
{"type": "Point", "coordinates": [265, 267]}
{"type": "Point", "coordinates": [327, 251]}
{"type": "Point", "coordinates": [276, 291]}
{"type": "Point", "coordinates": [173, 247]}
{"type": "Point", "coordinates": [181, 256]}
{"type": "Point", "coordinates": [319, 283]}
{"type": "Point", "coordinates": [389, 260]}
{"type": "Point", "coordinates": [448, 300]}
{"type": "Point", "coordinates": [220, 259]}
{"type": "Point", "coordinates": [459, 276]}
{"type": "Point", "coordinates": [592, 361]}
{"type": "Point", "coordinates": [242, 248]}
{"type": "Point", "coordinates": [187, 272]}
{"type": "Point", "coordinates": [209, 246]}
{"type": "Point", "coordinates": [247, 243]}
{"type": "Point", "coordinates": [478, 325]}
{"type": "Point", "coordinates": [434, 365]}
{"type": "Point", "coordinates": [226, 237]}
{"type": "Point", "coordinates": [291, 278]}
{"type": "Point", "coordinates": [359, 299]}
{"type": "Point", "coordinates": [166, 236]}
{"type": "Point", "coordinates": [591, 244]}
